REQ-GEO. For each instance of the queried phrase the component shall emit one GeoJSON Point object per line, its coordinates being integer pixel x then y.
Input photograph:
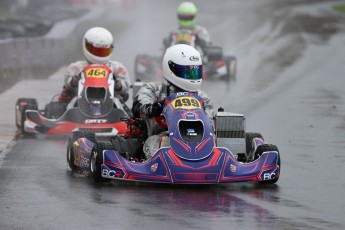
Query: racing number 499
{"type": "Point", "coordinates": [186, 102]}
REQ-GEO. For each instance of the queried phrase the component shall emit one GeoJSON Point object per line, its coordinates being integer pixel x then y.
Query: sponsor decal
{"type": "Point", "coordinates": [154, 167]}
{"type": "Point", "coordinates": [194, 58]}
{"type": "Point", "coordinates": [95, 121]}
{"type": "Point", "coordinates": [232, 168]}
{"type": "Point", "coordinates": [270, 174]}
{"type": "Point", "coordinates": [191, 132]}
{"type": "Point", "coordinates": [190, 116]}
{"type": "Point", "coordinates": [178, 94]}
{"type": "Point", "coordinates": [111, 173]}
{"type": "Point", "coordinates": [84, 162]}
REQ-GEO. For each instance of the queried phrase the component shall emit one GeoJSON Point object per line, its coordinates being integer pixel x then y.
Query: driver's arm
{"type": "Point", "coordinates": [121, 76]}
{"type": "Point", "coordinates": [145, 104]}
{"type": "Point", "coordinates": [208, 103]}
{"type": "Point", "coordinates": [73, 74]}
{"type": "Point", "coordinates": [203, 37]}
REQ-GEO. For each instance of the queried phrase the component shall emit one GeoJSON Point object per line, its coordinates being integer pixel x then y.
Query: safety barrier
{"type": "Point", "coordinates": [51, 50]}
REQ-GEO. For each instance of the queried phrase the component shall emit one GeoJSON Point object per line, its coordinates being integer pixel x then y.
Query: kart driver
{"type": "Point", "coordinates": [178, 78]}
{"type": "Point", "coordinates": [186, 13]}
{"type": "Point", "coordinates": [97, 49]}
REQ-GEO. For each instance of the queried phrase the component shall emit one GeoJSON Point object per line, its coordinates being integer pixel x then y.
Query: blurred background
{"type": "Point", "coordinates": [289, 85]}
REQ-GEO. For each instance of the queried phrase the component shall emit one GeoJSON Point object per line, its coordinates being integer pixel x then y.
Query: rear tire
{"type": "Point", "coordinates": [266, 148]}
{"type": "Point", "coordinates": [24, 104]}
{"type": "Point", "coordinates": [70, 150]}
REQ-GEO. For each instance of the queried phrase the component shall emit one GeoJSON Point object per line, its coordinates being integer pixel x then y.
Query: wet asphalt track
{"type": "Point", "coordinates": [290, 87]}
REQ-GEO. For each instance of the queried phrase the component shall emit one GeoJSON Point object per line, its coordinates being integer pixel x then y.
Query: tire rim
{"type": "Point", "coordinates": [69, 154]}
{"type": "Point", "coordinates": [93, 161]}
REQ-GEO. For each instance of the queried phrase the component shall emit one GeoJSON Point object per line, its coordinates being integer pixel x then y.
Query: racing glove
{"type": "Point", "coordinates": [118, 85]}
{"type": "Point", "coordinates": [154, 109]}
{"type": "Point", "coordinates": [66, 95]}
{"type": "Point", "coordinates": [75, 80]}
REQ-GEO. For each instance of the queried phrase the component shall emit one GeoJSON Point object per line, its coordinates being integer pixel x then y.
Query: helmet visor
{"type": "Point", "coordinates": [186, 17]}
{"type": "Point", "coordinates": [189, 72]}
{"type": "Point", "coordinates": [99, 51]}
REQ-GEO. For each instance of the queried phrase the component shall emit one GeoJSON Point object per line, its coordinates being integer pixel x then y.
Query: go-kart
{"type": "Point", "coordinates": [216, 64]}
{"type": "Point", "coordinates": [94, 108]}
{"type": "Point", "coordinates": [190, 152]}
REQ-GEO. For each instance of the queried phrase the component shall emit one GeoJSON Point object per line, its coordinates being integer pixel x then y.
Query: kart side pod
{"type": "Point", "coordinates": [230, 131]}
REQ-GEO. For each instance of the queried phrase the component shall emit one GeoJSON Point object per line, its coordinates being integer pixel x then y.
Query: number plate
{"type": "Point", "coordinates": [186, 103]}
{"type": "Point", "coordinates": [96, 72]}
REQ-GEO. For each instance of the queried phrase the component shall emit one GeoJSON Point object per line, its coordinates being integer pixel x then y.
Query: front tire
{"type": "Point", "coordinates": [70, 148]}
{"type": "Point", "coordinates": [267, 148]}
{"type": "Point", "coordinates": [250, 148]}
{"type": "Point", "coordinates": [97, 159]}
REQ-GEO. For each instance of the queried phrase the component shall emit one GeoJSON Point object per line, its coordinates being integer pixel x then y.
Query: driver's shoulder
{"type": "Point", "coordinates": [77, 64]}
{"type": "Point", "coordinates": [115, 64]}
{"type": "Point", "coordinates": [199, 28]}
{"type": "Point", "coordinates": [202, 94]}
{"type": "Point", "coordinates": [155, 86]}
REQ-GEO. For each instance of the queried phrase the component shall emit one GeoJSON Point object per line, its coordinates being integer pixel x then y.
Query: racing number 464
{"type": "Point", "coordinates": [96, 73]}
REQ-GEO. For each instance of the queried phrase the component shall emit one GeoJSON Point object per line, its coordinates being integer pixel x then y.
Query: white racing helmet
{"type": "Point", "coordinates": [182, 67]}
{"type": "Point", "coordinates": [98, 45]}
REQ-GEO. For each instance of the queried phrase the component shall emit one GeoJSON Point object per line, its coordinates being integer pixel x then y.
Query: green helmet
{"type": "Point", "coordinates": [186, 13]}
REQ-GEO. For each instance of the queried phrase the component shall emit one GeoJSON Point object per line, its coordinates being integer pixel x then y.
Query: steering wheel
{"type": "Point", "coordinates": [160, 119]}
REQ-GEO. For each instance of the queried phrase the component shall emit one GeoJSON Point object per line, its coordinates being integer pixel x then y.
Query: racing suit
{"type": "Point", "coordinates": [202, 37]}
{"type": "Point", "coordinates": [154, 92]}
{"type": "Point", "coordinates": [73, 75]}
